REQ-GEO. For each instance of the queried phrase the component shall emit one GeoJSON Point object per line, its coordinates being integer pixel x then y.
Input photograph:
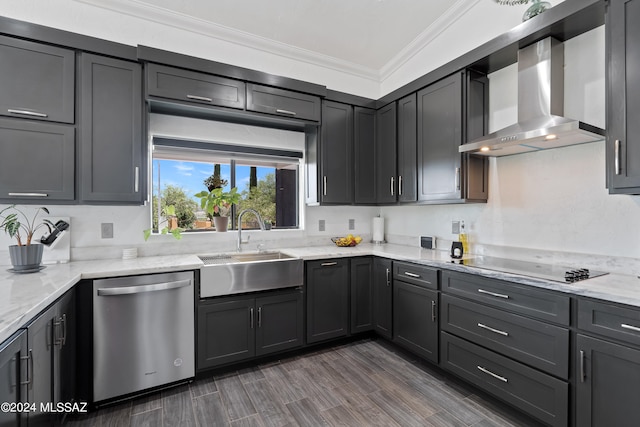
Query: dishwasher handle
{"type": "Point", "coordinates": [129, 290]}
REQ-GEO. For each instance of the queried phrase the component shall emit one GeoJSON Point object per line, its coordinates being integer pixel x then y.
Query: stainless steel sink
{"type": "Point", "coordinates": [227, 274]}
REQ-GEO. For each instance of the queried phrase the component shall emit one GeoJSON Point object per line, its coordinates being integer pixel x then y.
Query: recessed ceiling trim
{"type": "Point", "coordinates": [145, 11]}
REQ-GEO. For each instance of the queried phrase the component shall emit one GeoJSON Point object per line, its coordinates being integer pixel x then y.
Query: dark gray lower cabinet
{"type": "Point", "coordinates": [327, 292]}
{"type": "Point", "coordinates": [361, 295]}
{"type": "Point", "coordinates": [13, 375]}
{"type": "Point", "coordinates": [231, 329]}
{"type": "Point", "coordinates": [382, 297]}
{"type": "Point", "coordinates": [415, 319]}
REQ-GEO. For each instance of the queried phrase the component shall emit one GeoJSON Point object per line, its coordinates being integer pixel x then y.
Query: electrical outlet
{"type": "Point", "coordinates": [321, 225]}
{"type": "Point", "coordinates": [455, 227]}
{"type": "Point", "coordinates": [106, 230]}
{"type": "Point", "coordinates": [352, 224]}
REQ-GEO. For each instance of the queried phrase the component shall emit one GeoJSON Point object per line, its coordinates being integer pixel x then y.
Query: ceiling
{"type": "Point", "coordinates": [369, 38]}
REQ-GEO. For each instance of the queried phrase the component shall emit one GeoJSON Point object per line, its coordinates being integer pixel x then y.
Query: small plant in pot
{"type": "Point", "coordinates": [215, 201]}
{"type": "Point", "coordinates": [26, 255]}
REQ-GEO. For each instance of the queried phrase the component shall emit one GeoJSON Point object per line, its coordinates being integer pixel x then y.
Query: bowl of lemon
{"type": "Point", "coordinates": [349, 240]}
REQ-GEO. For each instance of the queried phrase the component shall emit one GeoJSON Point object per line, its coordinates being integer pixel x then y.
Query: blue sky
{"type": "Point", "coordinates": [190, 175]}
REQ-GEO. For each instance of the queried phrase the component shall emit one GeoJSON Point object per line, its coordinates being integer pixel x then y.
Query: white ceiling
{"type": "Point", "coordinates": [369, 38]}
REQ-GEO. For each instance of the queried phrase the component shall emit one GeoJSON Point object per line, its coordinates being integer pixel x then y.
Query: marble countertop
{"type": "Point", "coordinates": [24, 296]}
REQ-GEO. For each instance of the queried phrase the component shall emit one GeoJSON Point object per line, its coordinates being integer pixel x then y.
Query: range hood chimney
{"type": "Point", "coordinates": [541, 124]}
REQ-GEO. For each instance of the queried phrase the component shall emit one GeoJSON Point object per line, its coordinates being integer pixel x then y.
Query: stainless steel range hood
{"type": "Point", "coordinates": [541, 124]}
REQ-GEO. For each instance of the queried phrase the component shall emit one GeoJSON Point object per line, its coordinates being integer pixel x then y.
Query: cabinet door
{"type": "Point", "coordinates": [174, 83]}
{"type": "Point", "coordinates": [225, 332]}
{"type": "Point", "coordinates": [13, 372]}
{"type": "Point", "coordinates": [607, 383]}
{"type": "Point", "coordinates": [382, 297]}
{"type": "Point", "coordinates": [415, 319]}
{"type": "Point", "coordinates": [41, 163]}
{"type": "Point", "coordinates": [36, 81]}
{"type": "Point", "coordinates": [111, 137]}
{"type": "Point", "coordinates": [361, 295]}
{"type": "Point", "coordinates": [285, 103]}
{"type": "Point", "coordinates": [364, 155]}
{"type": "Point", "coordinates": [279, 324]}
{"type": "Point", "coordinates": [336, 153]}
{"type": "Point", "coordinates": [64, 355]}
{"type": "Point", "coordinates": [386, 181]}
{"type": "Point", "coordinates": [623, 97]}
{"type": "Point", "coordinates": [439, 136]}
{"type": "Point", "coordinates": [327, 299]}
{"type": "Point", "coordinates": [40, 344]}
{"type": "Point", "coordinates": [407, 149]}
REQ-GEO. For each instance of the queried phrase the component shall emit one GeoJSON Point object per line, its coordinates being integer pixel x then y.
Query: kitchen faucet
{"type": "Point", "coordinates": [255, 212]}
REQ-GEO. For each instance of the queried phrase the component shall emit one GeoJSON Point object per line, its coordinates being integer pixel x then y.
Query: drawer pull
{"type": "Point", "coordinates": [291, 113]}
{"type": "Point", "coordinates": [633, 328]}
{"type": "Point", "coordinates": [496, 376]}
{"type": "Point", "coordinates": [328, 264]}
{"type": "Point", "coordinates": [493, 294]}
{"type": "Point", "coordinates": [28, 194]}
{"type": "Point", "coordinates": [417, 276]}
{"type": "Point", "coordinates": [200, 98]}
{"type": "Point", "coordinates": [497, 331]}
{"type": "Point", "coordinates": [26, 113]}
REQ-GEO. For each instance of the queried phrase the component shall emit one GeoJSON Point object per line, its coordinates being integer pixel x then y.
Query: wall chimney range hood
{"type": "Point", "coordinates": [541, 124]}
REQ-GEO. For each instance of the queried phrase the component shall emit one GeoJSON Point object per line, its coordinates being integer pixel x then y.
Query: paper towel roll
{"type": "Point", "coordinates": [378, 229]}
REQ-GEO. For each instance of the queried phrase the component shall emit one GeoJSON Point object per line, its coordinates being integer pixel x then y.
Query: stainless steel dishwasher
{"type": "Point", "coordinates": [143, 333]}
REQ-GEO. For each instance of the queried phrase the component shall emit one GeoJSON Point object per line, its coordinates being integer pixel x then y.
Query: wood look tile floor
{"type": "Point", "coordinates": [363, 383]}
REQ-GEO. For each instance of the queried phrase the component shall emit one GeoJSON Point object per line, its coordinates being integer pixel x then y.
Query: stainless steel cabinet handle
{"type": "Point", "coordinates": [388, 277]}
{"type": "Point", "coordinates": [433, 311]}
{"type": "Point", "coordinates": [493, 294]}
{"type": "Point", "coordinates": [399, 185]}
{"type": "Point", "coordinates": [324, 185]}
{"type": "Point", "coordinates": [616, 156]}
{"type": "Point", "coordinates": [128, 290]}
{"type": "Point", "coordinates": [633, 328]}
{"type": "Point", "coordinates": [291, 113]}
{"type": "Point", "coordinates": [251, 317]}
{"type": "Point", "coordinates": [200, 98]}
{"type": "Point", "coordinates": [406, 273]}
{"type": "Point", "coordinates": [496, 376]}
{"type": "Point", "coordinates": [393, 181]}
{"type": "Point", "coordinates": [457, 178]}
{"type": "Point", "coordinates": [328, 264]}
{"type": "Point", "coordinates": [489, 328]}
{"type": "Point", "coordinates": [136, 179]}
{"type": "Point", "coordinates": [28, 194]}
{"type": "Point", "coordinates": [63, 320]}
{"type": "Point", "coordinates": [29, 359]}
{"type": "Point", "coordinates": [259, 317]}
{"type": "Point", "coordinates": [57, 337]}
{"type": "Point", "coordinates": [583, 374]}
{"type": "Point", "coordinates": [27, 113]}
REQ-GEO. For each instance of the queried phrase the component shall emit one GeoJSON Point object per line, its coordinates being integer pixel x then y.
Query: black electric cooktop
{"type": "Point", "coordinates": [556, 273]}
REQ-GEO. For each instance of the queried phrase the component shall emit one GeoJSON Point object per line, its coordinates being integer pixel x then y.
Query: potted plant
{"type": "Point", "coordinates": [26, 256]}
{"type": "Point", "coordinates": [214, 201]}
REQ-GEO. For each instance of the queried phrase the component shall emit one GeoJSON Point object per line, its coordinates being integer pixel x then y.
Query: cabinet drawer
{"type": "Point", "coordinates": [283, 103]}
{"type": "Point", "coordinates": [535, 343]}
{"type": "Point", "coordinates": [609, 320]}
{"type": "Point", "coordinates": [542, 396]}
{"type": "Point", "coordinates": [522, 299]}
{"type": "Point", "coordinates": [417, 274]}
{"type": "Point", "coordinates": [173, 83]}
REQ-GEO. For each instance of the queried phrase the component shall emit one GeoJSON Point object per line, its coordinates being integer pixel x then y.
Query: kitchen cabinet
{"type": "Point", "coordinates": [327, 293]}
{"type": "Point", "coordinates": [386, 179]}
{"type": "Point", "coordinates": [364, 142]}
{"type": "Point", "coordinates": [450, 113]}
{"type": "Point", "coordinates": [336, 153]}
{"type": "Point", "coordinates": [232, 329]}
{"type": "Point", "coordinates": [284, 103]}
{"type": "Point", "coordinates": [361, 294]}
{"type": "Point", "coordinates": [37, 81]}
{"type": "Point", "coordinates": [112, 143]}
{"type": "Point", "coordinates": [415, 309]}
{"type": "Point", "coordinates": [38, 163]}
{"type": "Point", "coordinates": [623, 97]}
{"type": "Point", "coordinates": [383, 297]}
{"type": "Point", "coordinates": [407, 134]}
{"type": "Point", "coordinates": [194, 87]}
{"type": "Point", "coordinates": [14, 378]}
{"type": "Point", "coordinates": [607, 368]}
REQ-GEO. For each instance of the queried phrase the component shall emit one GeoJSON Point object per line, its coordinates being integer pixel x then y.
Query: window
{"type": "Point", "coordinates": [265, 178]}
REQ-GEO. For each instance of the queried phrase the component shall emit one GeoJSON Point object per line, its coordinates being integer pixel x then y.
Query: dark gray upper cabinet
{"type": "Point", "coordinates": [336, 153]}
{"type": "Point", "coordinates": [285, 103]}
{"type": "Point", "coordinates": [623, 97]}
{"type": "Point", "coordinates": [407, 127]}
{"type": "Point", "coordinates": [327, 289]}
{"type": "Point", "coordinates": [38, 162]}
{"type": "Point", "coordinates": [385, 165]}
{"type": "Point", "coordinates": [361, 295]}
{"type": "Point", "coordinates": [111, 136]}
{"type": "Point", "coordinates": [364, 155]}
{"type": "Point", "coordinates": [13, 371]}
{"type": "Point", "coordinates": [183, 85]}
{"type": "Point", "coordinates": [449, 114]}
{"type": "Point", "coordinates": [383, 297]}
{"type": "Point", "coordinates": [36, 81]}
